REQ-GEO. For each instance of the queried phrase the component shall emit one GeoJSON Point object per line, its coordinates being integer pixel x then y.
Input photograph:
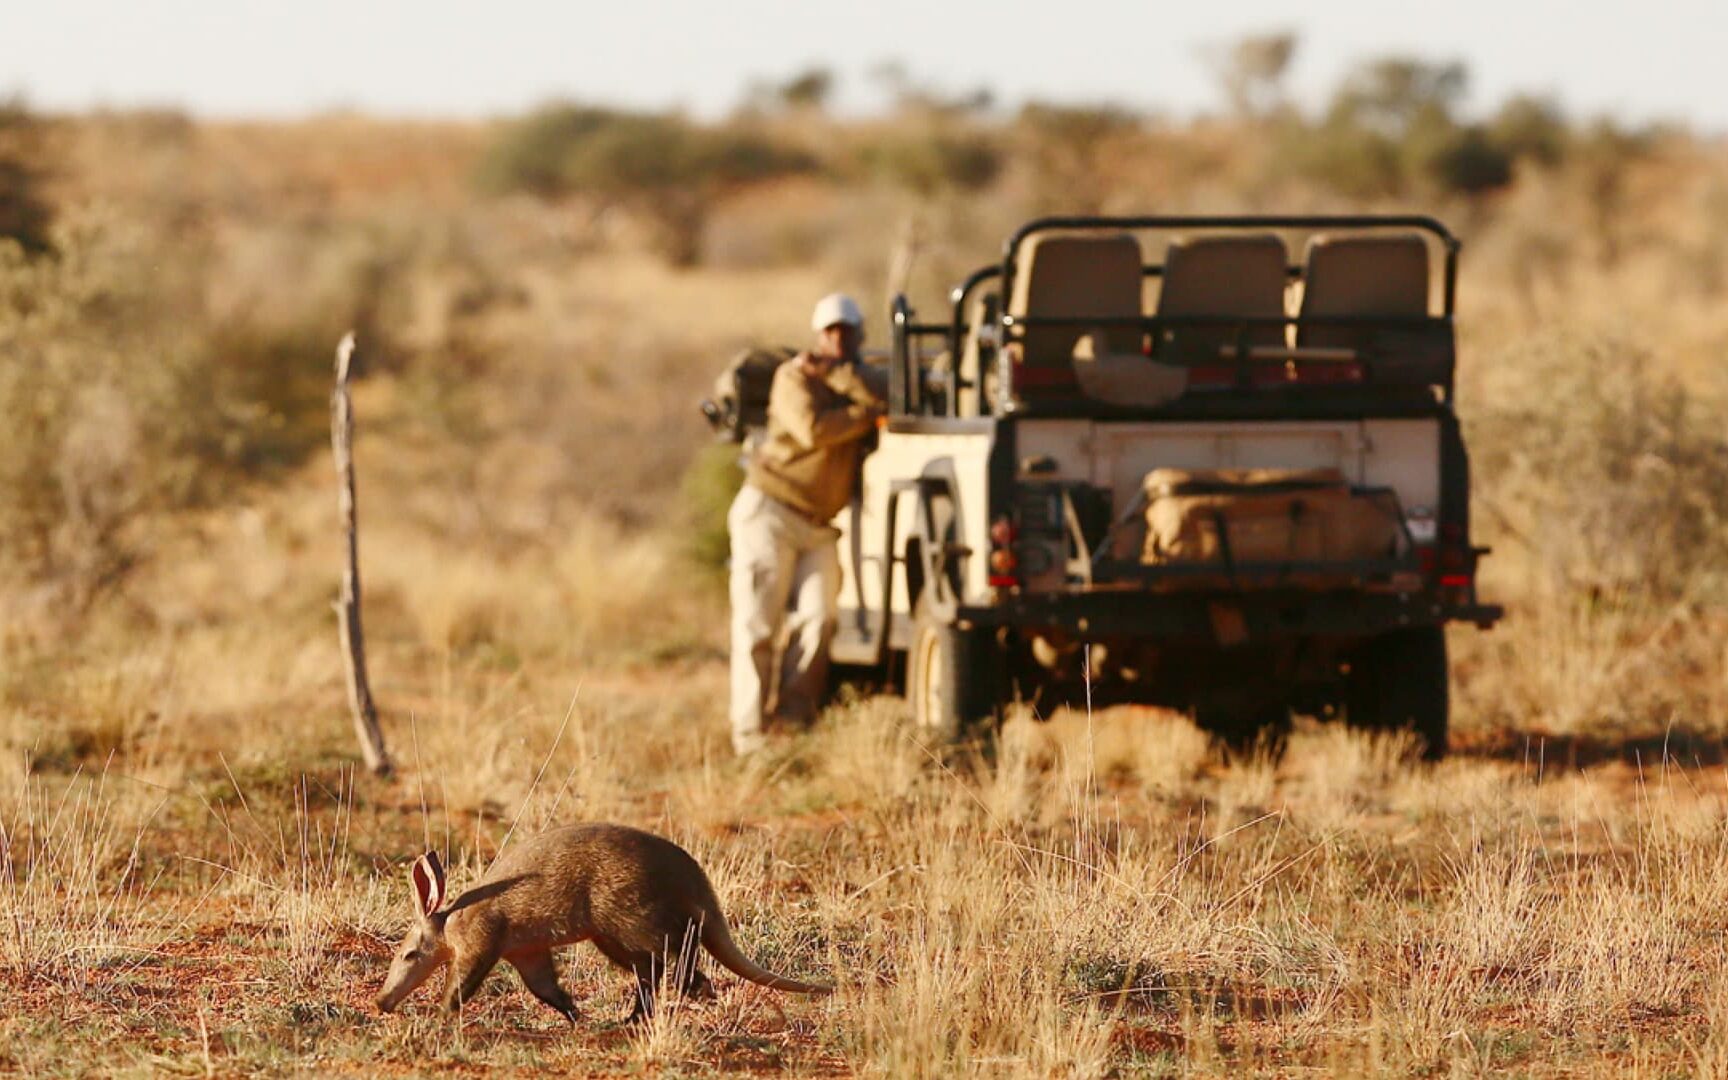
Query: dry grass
{"type": "Point", "coordinates": [194, 879]}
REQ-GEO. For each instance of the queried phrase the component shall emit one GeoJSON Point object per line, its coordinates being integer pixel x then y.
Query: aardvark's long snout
{"type": "Point", "coordinates": [391, 996]}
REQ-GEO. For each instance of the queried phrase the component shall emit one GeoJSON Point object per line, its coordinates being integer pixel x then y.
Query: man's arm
{"type": "Point", "coordinates": [867, 386]}
{"type": "Point", "coordinates": [794, 408]}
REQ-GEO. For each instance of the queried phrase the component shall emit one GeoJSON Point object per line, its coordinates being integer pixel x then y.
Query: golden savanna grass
{"type": "Point", "coordinates": [194, 878]}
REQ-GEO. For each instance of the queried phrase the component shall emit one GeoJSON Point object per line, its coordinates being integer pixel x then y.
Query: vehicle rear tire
{"type": "Point", "coordinates": [952, 679]}
{"type": "Point", "coordinates": [1243, 732]}
{"type": "Point", "coordinates": [1397, 682]}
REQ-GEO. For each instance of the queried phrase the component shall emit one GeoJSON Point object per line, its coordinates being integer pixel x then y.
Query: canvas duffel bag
{"type": "Point", "coordinates": [1266, 526]}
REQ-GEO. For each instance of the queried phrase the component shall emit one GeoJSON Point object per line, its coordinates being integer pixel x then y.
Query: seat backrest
{"type": "Point", "coordinates": [1075, 276]}
{"type": "Point", "coordinates": [1361, 275]}
{"type": "Point", "coordinates": [1223, 276]}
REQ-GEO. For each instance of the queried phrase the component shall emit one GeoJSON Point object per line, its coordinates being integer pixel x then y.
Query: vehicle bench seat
{"type": "Point", "coordinates": [1072, 277]}
{"type": "Point", "coordinates": [1361, 276]}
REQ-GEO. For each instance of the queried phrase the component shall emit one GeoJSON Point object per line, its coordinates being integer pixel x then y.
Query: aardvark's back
{"type": "Point", "coordinates": [611, 879]}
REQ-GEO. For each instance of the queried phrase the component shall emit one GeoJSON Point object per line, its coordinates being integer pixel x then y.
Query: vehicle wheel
{"type": "Point", "coordinates": [1242, 732]}
{"type": "Point", "coordinates": [1397, 682]}
{"type": "Point", "coordinates": [951, 680]}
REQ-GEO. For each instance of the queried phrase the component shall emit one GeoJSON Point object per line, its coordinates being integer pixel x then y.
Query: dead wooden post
{"type": "Point", "coordinates": [904, 255]}
{"type": "Point", "coordinates": [348, 606]}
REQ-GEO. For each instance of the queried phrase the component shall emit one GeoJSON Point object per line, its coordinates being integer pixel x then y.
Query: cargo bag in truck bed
{"type": "Point", "coordinates": [1296, 528]}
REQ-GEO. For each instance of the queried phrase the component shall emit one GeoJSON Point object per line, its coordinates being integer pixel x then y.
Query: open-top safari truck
{"type": "Point", "coordinates": [1157, 459]}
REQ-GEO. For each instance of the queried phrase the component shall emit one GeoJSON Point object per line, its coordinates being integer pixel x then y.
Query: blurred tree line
{"type": "Point", "coordinates": [1392, 129]}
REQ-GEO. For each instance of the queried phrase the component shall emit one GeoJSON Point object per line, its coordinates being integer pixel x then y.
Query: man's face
{"type": "Point", "coordinates": [840, 341]}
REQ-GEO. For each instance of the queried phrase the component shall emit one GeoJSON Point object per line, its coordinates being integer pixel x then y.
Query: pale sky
{"type": "Point", "coordinates": [1655, 60]}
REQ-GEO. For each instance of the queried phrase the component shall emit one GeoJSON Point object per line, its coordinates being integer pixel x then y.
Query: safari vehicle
{"type": "Point", "coordinates": [1158, 460]}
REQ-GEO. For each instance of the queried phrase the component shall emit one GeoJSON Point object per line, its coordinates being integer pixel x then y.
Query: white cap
{"type": "Point", "coordinates": [835, 308]}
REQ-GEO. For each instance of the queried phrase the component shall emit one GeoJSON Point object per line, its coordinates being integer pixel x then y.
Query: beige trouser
{"type": "Point", "coordinates": [779, 557]}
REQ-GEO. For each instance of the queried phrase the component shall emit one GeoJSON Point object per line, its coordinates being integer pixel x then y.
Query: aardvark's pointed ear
{"type": "Point", "coordinates": [428, 875]}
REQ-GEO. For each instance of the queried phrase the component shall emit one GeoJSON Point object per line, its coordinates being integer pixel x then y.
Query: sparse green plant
{"type": "Point", "coordinates": [706, 494]}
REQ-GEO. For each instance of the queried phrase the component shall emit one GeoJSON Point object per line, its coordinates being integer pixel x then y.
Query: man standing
{"type": "Point", "coordinates": [783, 547]}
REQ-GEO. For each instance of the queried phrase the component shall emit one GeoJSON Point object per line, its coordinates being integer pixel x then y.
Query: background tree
{"type": "Point", "coordinates": [808, 90]}
{"type": "Point", "coordinates": [25, 215]}
{"type": "Point", "coordinates": [1391, 128]}
{"type": "Point", "coordinates": [1530, 128]}
{"type": "Point", "coordinates": [1251, 72]}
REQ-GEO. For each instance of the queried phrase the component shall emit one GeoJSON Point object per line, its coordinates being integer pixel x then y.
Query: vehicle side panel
{"type": "Point", "coordinates": [961, 460]}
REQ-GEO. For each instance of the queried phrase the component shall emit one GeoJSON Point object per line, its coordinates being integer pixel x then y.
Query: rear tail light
{"type": "Point", "coordinates": [1456, 567]}
{"type": "Point", "coordinates": [1004, 565]}
{"type": "Point", "coordinates": [1426, 560]}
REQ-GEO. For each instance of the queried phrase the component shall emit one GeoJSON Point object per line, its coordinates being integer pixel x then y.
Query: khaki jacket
{"type": "Point", "coordinates": [809, 459]}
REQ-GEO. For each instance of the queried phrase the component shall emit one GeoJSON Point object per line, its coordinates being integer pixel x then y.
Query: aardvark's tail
{"type": "Point", "coordinates": [717, 939]}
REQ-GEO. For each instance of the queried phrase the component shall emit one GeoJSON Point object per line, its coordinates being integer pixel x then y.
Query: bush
{"type": "Point", "coordinates": [1390, 129]}
{"type": "Point", "coordinates": [1466, 161]}
{"type": "Point", "coordinates": [936, 162]}
{"type": "Point", "coordinates": [1073, 152]}
{"type": "Point", "coordinates": [531, 153]}
{"type": "Point", "coordinates": [1351, 160]}
{"type": "Point", "coordinates": [1530, 128]}
{"type": "Point", "coordinates": [1616, 478]}
{"type": "Point", "coordinates": [113, 407]}
{"type": "Point", "coordinates": [660, 165]}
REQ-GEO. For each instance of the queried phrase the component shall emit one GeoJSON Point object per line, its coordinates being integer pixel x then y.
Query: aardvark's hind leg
{"type": "Point", "coordinates": [644, 965]}
{"type": "Point", "coordinates": [540, 976]}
